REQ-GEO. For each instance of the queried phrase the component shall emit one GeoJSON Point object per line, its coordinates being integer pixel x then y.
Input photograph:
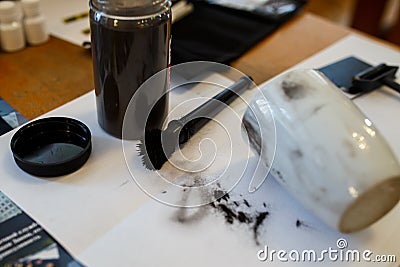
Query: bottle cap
{"type": "Point", "coordinates": [9, 11]}
{"type": "Point", "coordinates": [31, 7]}
{"type": "Point", "coordinates": [52, 146]}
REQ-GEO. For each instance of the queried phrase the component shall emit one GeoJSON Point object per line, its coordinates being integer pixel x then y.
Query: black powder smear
{"type": "Point", "coordinates": [252, 133]}
{"type": "Point", "coordinates": [186, 215]}
{"type": "Point", "coordinates": [234, 212]}
{"type": "Point", "coordinates": [259, 221]}
{"type": "Point", "coordinates": [278, 174]}
{"type": "Point", "coordinates": [300, 223]}
{"type": "Point", "coordinates": [316, 109]}
{"type": "Point", "coordinates": [293, 90]}
{"type": "Point", "coordinates": [243, 217]}
{"type": "Point", "coordinates": [231, 213]}
{"type": "Point", "coordinates": [225, 197]}
{"type": "Point", "coordinates": [296, 153]}
{"type": "Point", "coordinates": [220, 194]}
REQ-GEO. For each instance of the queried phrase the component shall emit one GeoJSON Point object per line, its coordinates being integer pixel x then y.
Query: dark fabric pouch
{"type": "Point", "coordinates": [221, 34]}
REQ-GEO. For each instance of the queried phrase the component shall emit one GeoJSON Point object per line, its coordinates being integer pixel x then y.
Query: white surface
{"type": "Point", "coordinates": [102, 217]}
{"type": "Point", "coordinates": [55, 11]}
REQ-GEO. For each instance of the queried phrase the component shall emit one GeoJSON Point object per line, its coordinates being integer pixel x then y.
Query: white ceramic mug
{"type": "Point", "coordinates": [328, 154]}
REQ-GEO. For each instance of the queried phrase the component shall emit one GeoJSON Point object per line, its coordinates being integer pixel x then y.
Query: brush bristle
{"type": "Point", "coordinates": [153, 151]}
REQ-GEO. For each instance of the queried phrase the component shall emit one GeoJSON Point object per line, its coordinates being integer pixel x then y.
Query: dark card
{"type": "Point", "coordinates": [342, 72]}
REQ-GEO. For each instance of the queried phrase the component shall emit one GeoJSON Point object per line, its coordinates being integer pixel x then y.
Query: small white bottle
{"type": "Point", "coordinates": [34, 22]}
{"type": "Point", "coordinates": [11, 31]}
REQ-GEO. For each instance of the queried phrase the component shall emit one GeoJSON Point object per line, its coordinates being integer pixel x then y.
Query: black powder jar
{"type": "Point", "coordinates": [130, 42]}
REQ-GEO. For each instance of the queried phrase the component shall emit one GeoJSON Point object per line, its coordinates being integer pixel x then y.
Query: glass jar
{"type": "Point", "coordinates": [11, 30]}
{"type": "Point", "coordinates": [130, 42]}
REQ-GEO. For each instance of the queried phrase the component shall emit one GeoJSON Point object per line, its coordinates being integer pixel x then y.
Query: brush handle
{"type": "Point", "coordinates": [392, 84]}
{"type": "Point", "coordinates": [200, 116]}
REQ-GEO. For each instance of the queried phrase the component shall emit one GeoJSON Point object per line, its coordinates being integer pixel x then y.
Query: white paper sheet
{"type": "Point", "coordinates": [56, 11]}
{"type": "Point", "coordinates": [104, 219]}
{"type": "Point", "coordinates": [211, 241]}
{"type": "Point", "coordinates": [77, 31]}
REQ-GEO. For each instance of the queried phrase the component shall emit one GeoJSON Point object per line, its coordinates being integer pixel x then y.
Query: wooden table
{"type": "Point", "coordinates": [39, 79]}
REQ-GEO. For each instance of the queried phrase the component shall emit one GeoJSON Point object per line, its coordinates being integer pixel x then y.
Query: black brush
{"type": "Point", "coordinates": [158, 145]}
{"type": "Point", "coordinates": [373, 78]}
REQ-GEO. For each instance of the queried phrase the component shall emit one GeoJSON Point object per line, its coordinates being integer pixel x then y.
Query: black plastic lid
{"type": "Point", "coordinates": [51, 146]}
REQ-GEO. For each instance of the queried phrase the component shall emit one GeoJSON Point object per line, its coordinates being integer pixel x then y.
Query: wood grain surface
{"type": "Point", "coordinates": [38, 79]}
